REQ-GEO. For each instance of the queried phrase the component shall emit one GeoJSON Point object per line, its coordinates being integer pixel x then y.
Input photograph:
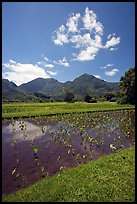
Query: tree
{"type": "Point", "coordinates": [69, 97]}
{"type": "Point", "coordinates": [89, 99]}
{"type": "Point", "coordinates": [109, 96]}
{"type": "Point", "coordinates": [127, 87]}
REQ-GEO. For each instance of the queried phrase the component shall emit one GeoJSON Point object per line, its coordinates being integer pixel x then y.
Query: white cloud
{"type": "Point", "coordinates": [49, 65]}
{"type": "Point", "coordinates": [106, 66]}
{"type": "Point", "coordinates": [109, 36]}
{"type": "Point", "coordinates": [112, 72]}
{"type": "Point", "coordinates": [90, 46]}
{"type": "Point", "coordinates": [72, 23]}
{"type": "Point", "coordinates": [62, 62]}
{"type": "Point", "coordinates": [85, 34]}
{"type": "Point", "coordinates": [52, 73]}
{"type": "Point", "coordinates": [112, 42]}
{"type": "Point", "coordinates": [61, 36]}
{"type": "Point", "coordinates": [12, 61]}
{"type": "Point", "coordinates": [81, 41]}
{"type": "Point", "coordinates": [98, 76]}
{"type": "Point", "coordinates": [90, 22]}
{"type": "Point", "coordinates": [41, 63]}
{"type": "Point", "coordinates": [23, 73]}
{"type": "Point", "coordinates": [46, 58]}
{"type": "Point", "coordinates": [103, 67]}
{"type": "Point", "coordinates": [86, 40]}
{"type": "Point", "coordinates": [112, 49]}
{"type": "Point", "coordinates": [88, 54]}
{"type": "Point", "coordinates": [110, 65]}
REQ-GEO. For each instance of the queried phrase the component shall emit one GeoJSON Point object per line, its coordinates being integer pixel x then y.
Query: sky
{"type": "Point", "coordinates": [64, 40]}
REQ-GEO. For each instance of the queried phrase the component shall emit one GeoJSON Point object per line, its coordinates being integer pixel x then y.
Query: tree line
{"type": "Point", "coordinates": [125, 94]}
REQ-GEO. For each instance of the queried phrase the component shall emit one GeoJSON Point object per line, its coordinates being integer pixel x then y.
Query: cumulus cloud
{"type": "Point", "coordinates": [81, 41]}
{"type": "Point", "coordinates": [112, 72]}
{"type": "Point", "coordinates": [61, 36]}
{"type": "Point", "coordinates": [72, 23]}
{"type": "Point", "coordinates": [90, 22]}
{"type": "Point", "coordinates": [85, 40]}
{"type": "Point", "coordinates": [112, 42]}
{"type": "Point", "coordinates": [85, 34]}
{"type": "Point", "coordinates": [87, 54]}
{"type": "Point", "coordinates": [23, 73]}
{"type": "Point", "coordinates": [98, 76]}
{"type": "Point", "coordinates": [89, 46]}
{"type": "Point", "coordinates": [49, 65]}
{"type": "Point", "coordinates": [62, 62]}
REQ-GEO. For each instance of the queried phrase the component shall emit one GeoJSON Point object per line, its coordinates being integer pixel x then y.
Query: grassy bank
{"type": "Point", "coordinates": [37, 109]}
{"type": "Point", "coordinates": [109, 179]}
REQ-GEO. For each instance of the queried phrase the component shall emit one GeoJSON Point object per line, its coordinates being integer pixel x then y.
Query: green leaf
{"type": "Point", "coordinates": [68, 151]}
{"type": "Point", "coordinates": [14, 170]}
{"type": "Point", "coordinates": [90, 139]}
{"type": "Point", "coordinates": [35, 148]}
{"type": "Point", "coordinates": [42, 168]}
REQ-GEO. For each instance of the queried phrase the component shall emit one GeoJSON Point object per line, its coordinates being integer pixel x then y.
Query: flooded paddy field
{"type": "Point", "coordinates": [39, 147]}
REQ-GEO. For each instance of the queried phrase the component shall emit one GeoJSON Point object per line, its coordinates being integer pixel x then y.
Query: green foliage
{"type": "Point", "coordinates": [108, 179]}
{"type": "Point", "coordinates": [127, 87]}
{"type": "Point", "coordinates": [94, 100]}
{"type": "Point", "coordinates": [53, 90]}
{"type": "Point", "coordinates": [109, 96]}
{"type": "Point", "coordinates": [10, 110]}
{"type": "Point", "coordinates": [89, 99]}
{"type": "Point", "coordinates": [41, 96]}
{"type": "Point", "coordinates": [69, 97]}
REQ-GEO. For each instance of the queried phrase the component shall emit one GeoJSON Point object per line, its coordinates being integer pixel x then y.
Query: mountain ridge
{"type": "Point", "coordinates": [56, 90]}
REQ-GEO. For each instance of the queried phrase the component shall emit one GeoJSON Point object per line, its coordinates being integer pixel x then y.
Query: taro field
{"type": "Point", "coordinates": [38, 147]}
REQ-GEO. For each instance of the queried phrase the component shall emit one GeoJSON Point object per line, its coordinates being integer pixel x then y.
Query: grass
{"type": "Point", "coordinates": [110, 178]}
{"type": "Point", "coordinates": [36, 109]}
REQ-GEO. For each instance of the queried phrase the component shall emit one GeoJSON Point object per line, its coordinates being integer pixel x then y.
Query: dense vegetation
{"type": "Point", "coordinates": [69, 97]}
{"type": "Point", "coordinates": [90, 99]}
{"type": "Point", "coordinates": [127, 87]}
{"type": "Point", "coordinates": [36, 109]}
{"type": "Point", "coordinates": [109, 179]}
{"type": "Point", "coordinates": [48, 90]}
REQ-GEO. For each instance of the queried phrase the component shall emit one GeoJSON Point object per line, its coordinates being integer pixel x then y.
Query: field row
{"type": "Point", "coordinates": [36, 109]}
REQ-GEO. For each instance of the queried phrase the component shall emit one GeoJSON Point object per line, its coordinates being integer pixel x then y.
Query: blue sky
{"type": "Point", "coordinates": [64, 40]}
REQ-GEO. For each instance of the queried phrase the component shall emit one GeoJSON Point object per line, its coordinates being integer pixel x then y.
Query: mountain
{"type": "Point", "coordinates": [8, 86]}
{"type": "Point", "coordinates": [40, 85]}
{"type": "Point", "coordinates": [51, 89]}
{"type": "Point", "coordinates": [9, 90]}
{"type": "Point", "coordinates": [91, 85]}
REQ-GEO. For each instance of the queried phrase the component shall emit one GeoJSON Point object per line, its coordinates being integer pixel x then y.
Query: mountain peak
{"type": "Point", "coordinates": [51, 87]}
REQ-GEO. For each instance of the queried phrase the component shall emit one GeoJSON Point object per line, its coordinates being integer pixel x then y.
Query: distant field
{"type": "Point", "coordinates": [10, 110]}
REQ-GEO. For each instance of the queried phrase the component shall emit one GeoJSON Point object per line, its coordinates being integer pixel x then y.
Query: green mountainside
{"type": "Point", "coordinates": [51, 89]}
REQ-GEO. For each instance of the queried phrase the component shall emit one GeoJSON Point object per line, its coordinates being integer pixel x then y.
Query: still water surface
{"type": "Point", "coordinates": [40, 147]}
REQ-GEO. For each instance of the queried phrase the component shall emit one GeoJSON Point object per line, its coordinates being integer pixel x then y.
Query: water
{"type": "Point", "coordinates": [36, 148]}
